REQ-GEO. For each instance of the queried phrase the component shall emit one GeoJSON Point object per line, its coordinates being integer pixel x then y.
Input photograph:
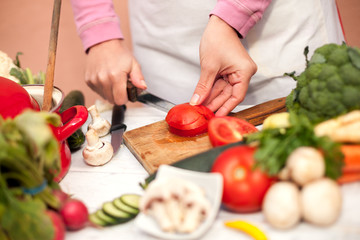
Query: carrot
{"type": "Point", "coordinates": [349, 178]}
{"type": "Point", "coordinates": [351, 158]}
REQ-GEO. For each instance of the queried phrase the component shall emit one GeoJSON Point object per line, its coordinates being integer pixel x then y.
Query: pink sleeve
{"type": "Point", "coordinates": [242, 15]}
{"type": "Point", "coordinates": [96, 21]}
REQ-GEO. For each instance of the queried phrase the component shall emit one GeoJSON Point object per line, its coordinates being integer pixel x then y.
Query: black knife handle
{"type": "Point", "coordinates": [132, 92]}
{"type": "Point", "coordinates": [118, 118]}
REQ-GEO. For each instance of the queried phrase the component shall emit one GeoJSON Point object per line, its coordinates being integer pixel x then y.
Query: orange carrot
{"type": "Point", "coordinates": [349, 178]}
{"type": "Point", "coordinates": [351, 158]}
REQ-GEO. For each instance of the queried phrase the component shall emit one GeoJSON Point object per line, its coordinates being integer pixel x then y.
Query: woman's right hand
{"type": "Point", "coordinates": [108, 67]}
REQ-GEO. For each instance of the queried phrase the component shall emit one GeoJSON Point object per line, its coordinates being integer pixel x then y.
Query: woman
{"type": "Point", "coordinates": [239, 38]}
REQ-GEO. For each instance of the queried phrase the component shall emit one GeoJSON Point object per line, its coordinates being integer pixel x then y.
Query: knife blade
{"type": "Point", "coordinates": [147, 98]}
{"type": "Point", "coordinates": [118, 127]}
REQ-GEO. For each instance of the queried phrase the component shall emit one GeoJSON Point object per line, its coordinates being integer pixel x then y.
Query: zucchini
{"type": "Point", "coordinates": [94, 219]}
{"type": "Point", "coordinates": [123, 207]}
{"type": "Point", "coordinates": [112, 211]}
{"type": "Point", "coordinates": [131, 200]}
{"type": "Point", "coordinates": [108, 220]}
{"type": "Point", "coordinates": [201, 162]}
{"type": "Point", "coordinates": [74, 98]}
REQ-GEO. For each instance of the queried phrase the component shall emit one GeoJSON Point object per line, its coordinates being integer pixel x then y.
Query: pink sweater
{"type": "Point", "coordinates": [96, 20]}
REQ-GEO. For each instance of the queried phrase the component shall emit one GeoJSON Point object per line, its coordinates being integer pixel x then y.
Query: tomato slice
{"type": "Point", "coordinates": [244, 186]}
{"type": "Point", "coordinates": [225, 130]}
{"type": "Point", "coordinates": [187, 120]}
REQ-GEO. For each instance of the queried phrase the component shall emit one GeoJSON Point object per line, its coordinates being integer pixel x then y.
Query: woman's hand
{"type": "Point", "coordinates": [226, 68]}
{"type": "Point", "coordinates": [108, 67]}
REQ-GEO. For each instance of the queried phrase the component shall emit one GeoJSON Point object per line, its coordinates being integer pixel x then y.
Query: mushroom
{"type": "Point", "coordinates": [96, 152]}
{"type": "Point", "coordinates": [153, 203]}
{"type": "Point", "coordinates": [99, 124]}
{"type": "Point", "coordinates": [304, 165]}
{"type": "Point", "coordinates": [181, 208]}
{"type": "Point", "coordinates": [196, 208]}
{"type": "Point", "coordinates": [281, 205]}
{"type": "Point", "coordinates": [321, 202]}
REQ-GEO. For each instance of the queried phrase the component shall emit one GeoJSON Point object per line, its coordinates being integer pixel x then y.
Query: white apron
{"type": "Point", "coordinates": [166, 36]}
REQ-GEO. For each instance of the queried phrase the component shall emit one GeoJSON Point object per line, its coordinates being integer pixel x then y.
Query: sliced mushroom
{"type": "Point", "coordinates": [176, 204]}
{"type": "Point", "coordinates": [96, 152]}
{"type": "Point", "coordinates": [99, 124]}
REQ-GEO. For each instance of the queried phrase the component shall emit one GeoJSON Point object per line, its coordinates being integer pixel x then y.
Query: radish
{"type": "Point", "coordinates": [75, 214]}
{"type": "Point", "coordinates": [58, 223]}
{"type": "Point", "coordinates": [61, 196]}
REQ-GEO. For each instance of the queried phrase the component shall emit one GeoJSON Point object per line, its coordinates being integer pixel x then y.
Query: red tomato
{"type": "Point", "coordinates": [244, 186]}
{"type": "Point", "coordinates": [225, 130]}
{"type": "Point", "coordinates": [187, 120]}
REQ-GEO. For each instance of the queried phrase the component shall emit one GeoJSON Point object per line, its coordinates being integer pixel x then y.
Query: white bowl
{"type": "Point", "coordinates": [212, 183]}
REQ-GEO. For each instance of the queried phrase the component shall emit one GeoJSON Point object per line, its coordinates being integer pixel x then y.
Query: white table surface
{"type": "Point", "coordinates": [96, 185]}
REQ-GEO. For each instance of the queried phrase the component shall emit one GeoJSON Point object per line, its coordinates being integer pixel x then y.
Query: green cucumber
{"type": "Point", "coordinates": [121, 216]}
{"type": "Point", "coordinates": [108, 220]}
{"type": "Point", "coordinates": [74, 98]}
{"type": "Point", "coordinates": [94, 219]}
{"type": "Point", "coordinates": [123, 207]}
{"type": "Point", "coordinates": [201, 162]}
{"type": "Point", "coordinates": [120, 210]}
{"type": "Point", "coordinates": [131, 200]}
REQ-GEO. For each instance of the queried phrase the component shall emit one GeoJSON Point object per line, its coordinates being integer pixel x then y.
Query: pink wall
{"type": "Point", "coordinates": [25, 27]}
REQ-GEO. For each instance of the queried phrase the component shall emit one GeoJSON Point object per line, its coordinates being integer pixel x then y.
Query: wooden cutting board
{"type": "Point", "coordinates": [154, 145]}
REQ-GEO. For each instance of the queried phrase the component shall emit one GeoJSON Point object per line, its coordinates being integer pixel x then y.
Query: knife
{"type": "Point", "coordinates": [147, 98]}
{"type": "Point", "coordinates": [117, 126]}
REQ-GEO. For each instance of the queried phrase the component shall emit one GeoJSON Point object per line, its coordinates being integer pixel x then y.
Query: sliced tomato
{"type": "Point", "coordinates": [187, 120]}
{"type": "Point", "coordinates": [225, 130]}
{"type": "Point", "coordinates": [244, 186]}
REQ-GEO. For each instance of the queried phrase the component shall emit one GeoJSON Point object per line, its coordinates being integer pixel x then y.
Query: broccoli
{"type": "Point", "coordinates": [330, 84]}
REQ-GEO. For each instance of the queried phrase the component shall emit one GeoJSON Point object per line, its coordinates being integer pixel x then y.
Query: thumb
{"type": "Point", "coordinates": [136, 76]}
{"type": "Point", "coordinates": [203, 87]}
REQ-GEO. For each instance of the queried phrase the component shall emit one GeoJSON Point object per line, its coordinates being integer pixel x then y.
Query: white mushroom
{"type": "Point", "coordinates": [321, 202]}
{"type": "Point", "coordinates": [176, 204]}
{"type": "Point", "coordinates": [99, 124]}
{"type": "Point", "coordinates": [153, 204]}
{"type": "Point", "coordinates": [281, 205]}
{"type": "Point", "coordinates": [96, 152]}
{"type": "Point", "coordinates": [304, 164]}
{"type": "Point", "coordinates": [196, 208]}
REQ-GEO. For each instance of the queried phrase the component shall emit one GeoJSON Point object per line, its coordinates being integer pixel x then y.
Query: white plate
{"type": "Point", "coordinates": [212, 183]}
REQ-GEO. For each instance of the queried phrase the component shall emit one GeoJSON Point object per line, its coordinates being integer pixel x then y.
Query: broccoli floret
{"type": "Point", "coordinates": [330, 84]}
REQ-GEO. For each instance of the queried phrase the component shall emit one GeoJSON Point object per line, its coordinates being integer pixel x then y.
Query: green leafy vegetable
{"type": "Point", "coordinates": [276, 144]}
{"type": "Point", "coordinates": [330, 84]}
{"type": "Point", "coordinates": [25, 76]}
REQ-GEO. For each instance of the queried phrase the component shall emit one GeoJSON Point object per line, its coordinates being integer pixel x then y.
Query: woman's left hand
{"type": "Point", "coordinates": [226, 69]}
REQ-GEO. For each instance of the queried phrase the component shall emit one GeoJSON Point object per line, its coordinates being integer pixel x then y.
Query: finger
{"type": "Point", "coordinates": [136, 76]}
{"type": "Point", "coordinates": [104, 85]}
{"type": "Point", "coordinates": [216, 90]}
{"type": "Point", "coordinates": [220, 100]}
{"type": "Point", "coordinates": [119, 89]}
{"type": "Point", "coordinates": [203, 88]}
{"type": "Point", "coordinates": [239, 90]}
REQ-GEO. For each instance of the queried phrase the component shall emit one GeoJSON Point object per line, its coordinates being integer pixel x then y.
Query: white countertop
{"type": "Point", "coordinates": [96, 185]}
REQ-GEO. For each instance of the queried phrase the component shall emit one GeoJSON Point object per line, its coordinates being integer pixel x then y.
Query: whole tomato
{"type": "Point", "coordinates": [187, 120]}
{"type": "Point", "coordinates": [244, 186]}
{"type": "Point", "coordinates": [225, 130]}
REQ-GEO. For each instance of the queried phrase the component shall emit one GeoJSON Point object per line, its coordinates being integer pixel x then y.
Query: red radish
{"type": "Point", "coordinates": [75, 214]}
{"type": "Point", "coordinates": [61, 196]}
{"type": "Point", "coordinates": [58, 223]}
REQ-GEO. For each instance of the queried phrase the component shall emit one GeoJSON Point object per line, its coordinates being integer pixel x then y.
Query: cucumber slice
{"type": "Point", "coordinates": [123, 207]}
{"type": "Point", "coordinates": [131, 200]}
{"type": "Point", "coordinates": [93, 218]}
{"type": "Point", "coordinates": [121, 216]}
{"type": "Point", "coordinates": [106, 218]}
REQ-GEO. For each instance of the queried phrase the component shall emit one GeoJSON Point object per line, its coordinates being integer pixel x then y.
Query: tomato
{"type": "Point", "coordinates": [187, 120]}
{"type": "Point", "coordinates": [225, 130]}
{"type": "Point", "coordinates": [244, 186]}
